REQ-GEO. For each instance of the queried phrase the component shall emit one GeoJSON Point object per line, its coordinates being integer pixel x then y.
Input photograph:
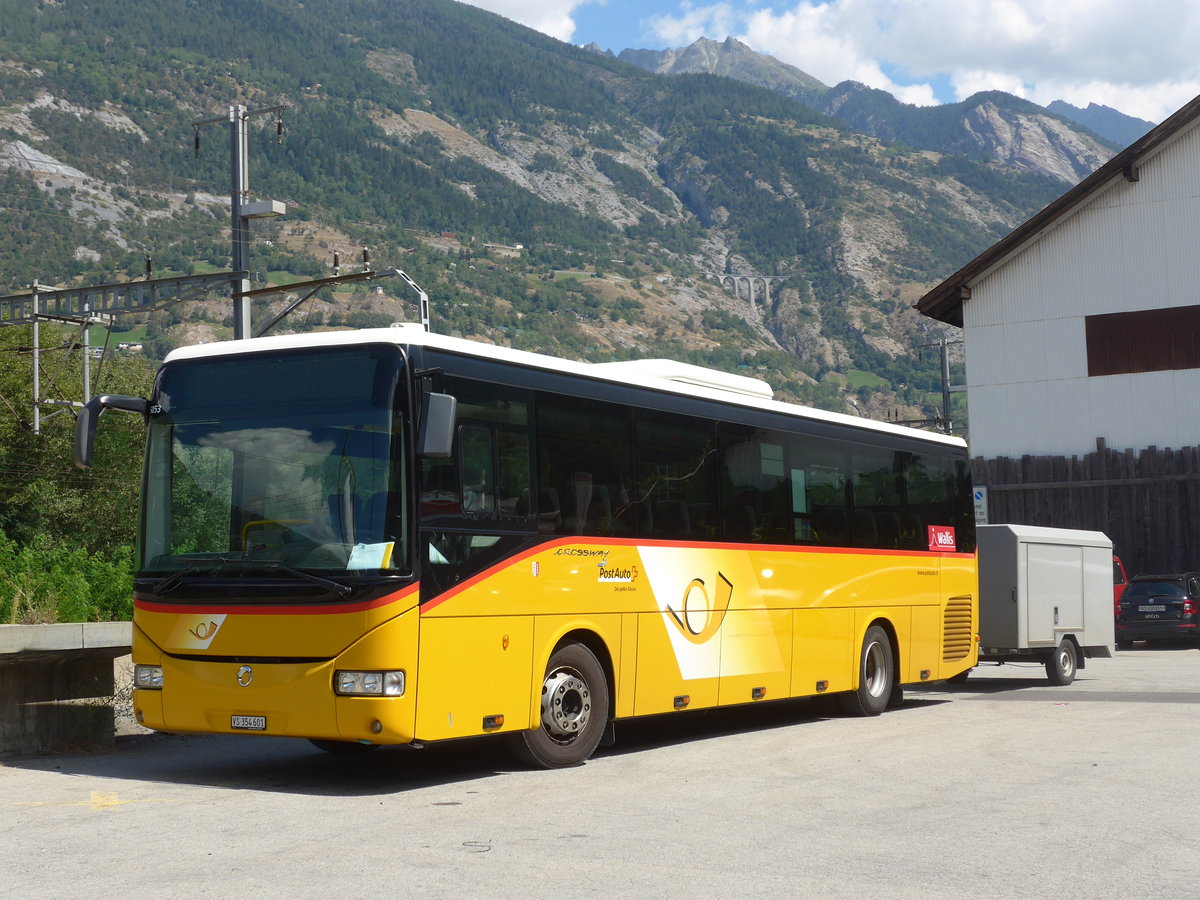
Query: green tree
{"type": "Point", "coordinates": [66, 535]}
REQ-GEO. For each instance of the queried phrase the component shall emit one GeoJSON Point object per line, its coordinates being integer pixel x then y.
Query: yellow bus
{"type": "Point", "coordinates": [389, 536]}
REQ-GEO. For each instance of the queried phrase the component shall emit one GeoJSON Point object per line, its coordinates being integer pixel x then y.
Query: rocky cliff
{"type": "Point", "coordinates": [989, 125]}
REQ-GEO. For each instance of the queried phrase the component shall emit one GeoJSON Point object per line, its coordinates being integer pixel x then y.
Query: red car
{"type": "Point", "coordinates": [1120, 580]}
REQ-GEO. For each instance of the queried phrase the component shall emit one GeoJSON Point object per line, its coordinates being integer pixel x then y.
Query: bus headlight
{"type": "Point", "coordinates": [379, 684]}
{"type": "Point", "coordinates": [147, 678]}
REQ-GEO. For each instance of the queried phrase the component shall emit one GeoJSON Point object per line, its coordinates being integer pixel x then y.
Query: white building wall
{"type": "Point", "coordinates": [1132, 246]}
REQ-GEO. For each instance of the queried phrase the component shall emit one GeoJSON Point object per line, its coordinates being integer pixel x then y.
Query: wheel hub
{"type": "Point", "coordinates": [566, 705]}
{"type": "Point", "coordinates": [876, 670]}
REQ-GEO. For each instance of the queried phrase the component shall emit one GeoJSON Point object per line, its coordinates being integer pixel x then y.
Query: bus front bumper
{"type": "Point", "coordinates": [285, 699]}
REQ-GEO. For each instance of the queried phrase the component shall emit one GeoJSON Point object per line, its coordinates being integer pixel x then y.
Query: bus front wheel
{"type": "Point", "coordinates": [574, 711]}
{"type": "Point", "coordinates": [875, 676]}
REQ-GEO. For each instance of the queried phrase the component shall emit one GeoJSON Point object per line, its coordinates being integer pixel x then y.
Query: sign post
{"type": "Point", "coordinates": [980, 495]}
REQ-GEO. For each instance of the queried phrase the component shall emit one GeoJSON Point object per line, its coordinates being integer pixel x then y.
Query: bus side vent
{"type": "Point", "coordinates": [958, 629]}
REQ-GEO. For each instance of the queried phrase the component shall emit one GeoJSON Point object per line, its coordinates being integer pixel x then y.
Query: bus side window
{"type": "Point", "coordinates": [439, 488]}
{"type": "Point", "coordinates": [584, 451]}
{"type": "Point", "coordinates": [477, 448]}
{"type": "Point", "coordinates": [939, 489]}
{"type": "Point", "coordinates": [488, 474]}
{"type": "Point", "coordinates": [818, 480]}
{"type": "Point", "coordinates": [879, 490]}
{"type": "Point", "coordinates": [676, 491]}
{"type": "Point", "coordinates": [753, 485]}
{"type": "Point", "coordinates": [512, 480]}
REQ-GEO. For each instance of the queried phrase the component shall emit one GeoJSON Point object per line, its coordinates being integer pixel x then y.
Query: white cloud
{"type": "Point", "coordinates": [692, 23]}
{"type": "Point", "coordinates": [552, 17]}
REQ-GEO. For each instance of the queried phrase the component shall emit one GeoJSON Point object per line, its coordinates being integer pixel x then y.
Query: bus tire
{"type": "Point", "coordinates": [1063, 663]}
{"type": "Point", "coordinates": [574, 711]}
{"type": "Point", "coordinates": [875, 676]}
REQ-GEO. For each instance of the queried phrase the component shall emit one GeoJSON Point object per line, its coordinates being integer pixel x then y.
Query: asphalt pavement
{"type": "Point", "coordinates": [1002, 787]}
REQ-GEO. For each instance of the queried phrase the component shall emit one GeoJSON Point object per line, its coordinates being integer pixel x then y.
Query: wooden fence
{"type": "Point", "coordinates": [1148, 501]}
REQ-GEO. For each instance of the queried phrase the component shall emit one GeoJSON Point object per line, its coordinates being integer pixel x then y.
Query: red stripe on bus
{"type": "Point", "coordinates": [699, 545]}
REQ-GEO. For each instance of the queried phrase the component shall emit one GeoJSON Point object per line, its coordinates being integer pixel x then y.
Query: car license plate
{"type": "Point", "coordinates": [1158, 607]}
{"type": "Point", "coordinates": [248, 723]}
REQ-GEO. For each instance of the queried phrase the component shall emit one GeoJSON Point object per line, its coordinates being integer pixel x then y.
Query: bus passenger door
{"type": "Point", "coordinates": [473, 669]}
{"type": "Point", "coordinates": [475, 660]}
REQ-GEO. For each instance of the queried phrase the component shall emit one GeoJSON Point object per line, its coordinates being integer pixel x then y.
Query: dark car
{"type": "Point", "coordinates": [1159, 608]}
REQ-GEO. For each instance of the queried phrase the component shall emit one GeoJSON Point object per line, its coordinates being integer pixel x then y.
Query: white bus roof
{"type": "Point", "coordinates": [661, 374]}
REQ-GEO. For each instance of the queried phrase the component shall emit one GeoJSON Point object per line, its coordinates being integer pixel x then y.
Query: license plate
{"type": "Point", "coordinates": [1158, 607]}
{"type": "Point", "coordinates": [248, 723]}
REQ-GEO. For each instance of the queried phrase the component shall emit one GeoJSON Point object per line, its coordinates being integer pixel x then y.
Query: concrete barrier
{"type": "Point", "coordinates": [56, 685]}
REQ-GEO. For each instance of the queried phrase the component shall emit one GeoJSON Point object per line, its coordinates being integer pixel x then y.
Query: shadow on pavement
{"type": "Point", "coordinates": [289, 765]}
{"type": "Point", "coordinates": [651, 732]}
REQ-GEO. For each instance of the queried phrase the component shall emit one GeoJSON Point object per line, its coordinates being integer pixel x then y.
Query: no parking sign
{"type": "Point", "coordinates": [981, 506]}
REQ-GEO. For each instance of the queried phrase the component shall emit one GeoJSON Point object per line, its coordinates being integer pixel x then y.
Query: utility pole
{"type": "Point", "coordinates": [943, 345]}
{"type": "Point", "coordinates": [85, 320]}
{"type": "Point", "coordinates": [241, 210]}
{"type": "Point", "coordinates": [945, 385]}
{"type": "Point", "coordinates": [240, 228]}
{"type": "Point", "coordinates": [37, 359]}
{"type": "Point", "coordinates": [81, 305]}
{"type": "Point", "coordinates": [93, 305]}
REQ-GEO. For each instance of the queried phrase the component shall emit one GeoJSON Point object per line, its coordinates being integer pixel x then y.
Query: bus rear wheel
{"type": "Point", "coordinates": [875, 676]}
{"type": "Point", "coordinates": [574, 711]}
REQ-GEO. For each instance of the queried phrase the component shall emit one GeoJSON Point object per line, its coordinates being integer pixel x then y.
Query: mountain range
{"type": "Point", "coordinates": [545, 196]}
{"type": "Point", "coordinates": [993, 124]}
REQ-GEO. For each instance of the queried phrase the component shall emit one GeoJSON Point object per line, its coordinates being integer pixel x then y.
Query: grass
{"type": "Point", "coordinates": [135, 335]}
{"type": "Point", "coordinates": [857, 378]}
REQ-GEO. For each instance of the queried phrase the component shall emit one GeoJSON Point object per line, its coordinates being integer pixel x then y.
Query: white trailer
{"type": "Point", "coordinates": [1045, 595]}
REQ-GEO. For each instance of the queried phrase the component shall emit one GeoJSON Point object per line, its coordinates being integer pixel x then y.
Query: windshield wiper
{"type": "Point", "coordinates": [342, 590]}
{"type": "Point", "coordinates": [172, 581]}
{"type": "Point", "coordinates": [214, 564]}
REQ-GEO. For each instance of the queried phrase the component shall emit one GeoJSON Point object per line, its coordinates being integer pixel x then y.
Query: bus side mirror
{"type": "Point", "coordinates": [436, 435]}
{"type": "Point", "coordinates": [85, 423]}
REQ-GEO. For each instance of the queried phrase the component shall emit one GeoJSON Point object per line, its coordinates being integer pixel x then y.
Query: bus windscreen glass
{"type": "Point", "coordinates": [293, 458]}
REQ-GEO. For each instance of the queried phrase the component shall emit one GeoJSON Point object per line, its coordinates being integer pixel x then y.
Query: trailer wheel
{"type": "Point", "coordinates": [1061, 666]}
{"type": "Point", "coordinates": [875, 676]}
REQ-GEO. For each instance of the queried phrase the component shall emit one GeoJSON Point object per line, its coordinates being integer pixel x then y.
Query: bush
{"type": "Point", "coordinates": [44, 582]}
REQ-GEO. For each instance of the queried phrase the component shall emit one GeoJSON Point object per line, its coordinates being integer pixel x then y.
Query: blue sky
{"type": "Point", "coordinates": [1139, 58]}
{"type": "Point", "coordinates": [620, 24]}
